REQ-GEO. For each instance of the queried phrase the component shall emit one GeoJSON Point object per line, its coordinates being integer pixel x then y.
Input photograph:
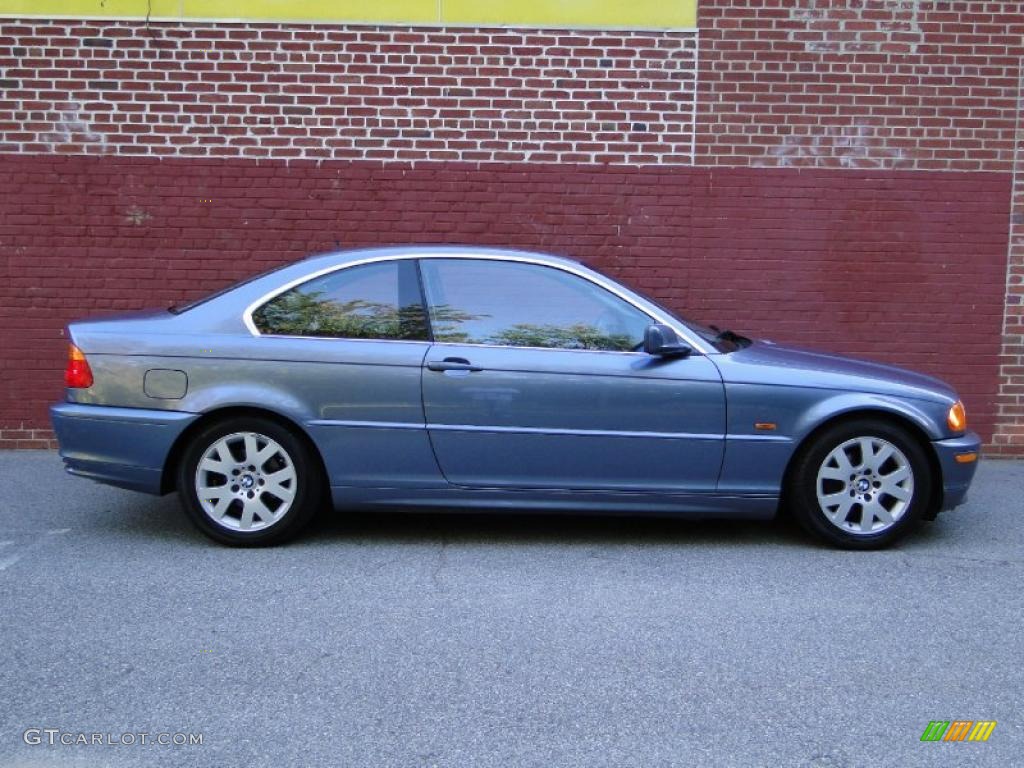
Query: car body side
{"type": "Point", "coordinates": [160, 376]}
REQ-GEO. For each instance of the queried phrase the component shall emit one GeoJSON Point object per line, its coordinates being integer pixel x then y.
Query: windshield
{"type": "Point", "coordinates": [723, 341]}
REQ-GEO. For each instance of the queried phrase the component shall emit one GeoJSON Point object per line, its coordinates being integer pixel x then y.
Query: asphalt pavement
{"type": "Point", "coordinates": [483, 640]}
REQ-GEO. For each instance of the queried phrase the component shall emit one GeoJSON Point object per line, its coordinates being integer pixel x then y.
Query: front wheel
{"type": "Point", "coordinates": [861, 485]}
{"type": "Point", "coordinates": [249, 481]}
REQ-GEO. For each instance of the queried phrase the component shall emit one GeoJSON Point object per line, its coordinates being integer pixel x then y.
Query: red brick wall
{"type": "Point", "coordinates": [859, 83]}
{"type": "Point", "coordinates": [844, 261]}
{"type": "Point", "coordinates": [884, 85]}
{"type": "Point", "coordinates": [836, 172]}
{"type": "Point", "coordinates": [380, 93]}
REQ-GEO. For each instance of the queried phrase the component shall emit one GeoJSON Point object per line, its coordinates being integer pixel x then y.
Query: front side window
{"type": "Point", "coordinates": [516, 304]}
{"type": "Point", "coordinates": [372, 301]}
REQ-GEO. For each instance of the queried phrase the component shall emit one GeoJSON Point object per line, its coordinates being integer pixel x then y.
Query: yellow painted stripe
{"type": "Point", "coordinates": [610, 14]}
{"type": "Point", "coordinates": [90, 8]}
{"type": "Point", "coordinates": [376, 11]}
{"type": "Point", "coordinates": [615, 14]}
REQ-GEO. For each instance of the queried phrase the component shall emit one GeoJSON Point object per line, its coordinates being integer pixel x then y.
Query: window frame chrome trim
{"type": "Point", "coordinates": [601, 281]}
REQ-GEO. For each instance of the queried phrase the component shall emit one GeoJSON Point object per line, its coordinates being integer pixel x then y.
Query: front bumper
{"type": "Point", "coordinates": [126, 447]}
{"type": "Point", "coordinates": [957, 476]}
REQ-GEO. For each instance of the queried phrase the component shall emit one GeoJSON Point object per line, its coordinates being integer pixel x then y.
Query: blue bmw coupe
{"type": "Point", "coordinates": [460, 377]}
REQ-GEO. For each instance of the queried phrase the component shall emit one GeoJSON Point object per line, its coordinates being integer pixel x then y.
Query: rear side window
{"type": "Point", "coordinates": [372, 301]}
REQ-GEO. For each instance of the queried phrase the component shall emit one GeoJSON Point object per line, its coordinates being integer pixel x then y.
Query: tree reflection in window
{"type": "Point", "coordinates": [382, 301]}
{"type": "Point", "coordinates": [296, 313]}
{"type": "Point", "coordinates": [578, 336]}
{"type": "Point", "coordinates": [445, 321]}
{"type": "Point", "coordinates": [516, 304]}
{"type": "Point", "coordinates": [370, 301]}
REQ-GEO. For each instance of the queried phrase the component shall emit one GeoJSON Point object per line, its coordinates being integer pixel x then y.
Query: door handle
{"type": "Point", "coordinates": [452, 364]}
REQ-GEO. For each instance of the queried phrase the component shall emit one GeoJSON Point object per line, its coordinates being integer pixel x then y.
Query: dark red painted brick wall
{"type": "Point", "coordinates": [906, 267]}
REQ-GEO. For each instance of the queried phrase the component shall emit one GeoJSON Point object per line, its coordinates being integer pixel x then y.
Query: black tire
{"type": "Point", "coordinates": [802, 492]}
{"type": "Point", "coordinates": [294, 457]}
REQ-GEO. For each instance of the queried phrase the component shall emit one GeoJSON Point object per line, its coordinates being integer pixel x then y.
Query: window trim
{"type": "Point", "coordinates": [252, 308]}
{"type": "Point", "coordinates": [600, 281]}
{"type": "Point", "coordinates": [423, 300]}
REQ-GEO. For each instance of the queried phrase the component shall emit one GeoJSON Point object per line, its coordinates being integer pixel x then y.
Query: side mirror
{"type": "Point", "coordinates": [661, 341]}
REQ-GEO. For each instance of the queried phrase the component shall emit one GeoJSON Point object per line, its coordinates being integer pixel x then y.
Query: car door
{"type": "Point", "coordinates": [535, 379]}
{"type": "Point", "coordinates": [348, 348]}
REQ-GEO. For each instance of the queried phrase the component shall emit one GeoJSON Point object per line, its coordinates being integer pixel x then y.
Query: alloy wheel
{"type": "Point", "coordinates": [865, 485]}
{"type": "Point", "coordinates": [245, 481]}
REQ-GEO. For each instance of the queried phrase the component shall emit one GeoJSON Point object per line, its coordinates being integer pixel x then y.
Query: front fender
{"type": "Point", "coordinates": [756, 460]}
{"type": "Point", "coordinates": [928, 416]}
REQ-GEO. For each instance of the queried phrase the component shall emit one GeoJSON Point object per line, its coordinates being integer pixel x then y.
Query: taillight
{"type": "Point", "coordinates": [78, 374]}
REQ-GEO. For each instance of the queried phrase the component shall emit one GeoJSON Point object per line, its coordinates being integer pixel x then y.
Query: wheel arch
{"type": "Point", "coordinates": [168, 476]}
{"type": "Point", "coordinates": [894, 418]}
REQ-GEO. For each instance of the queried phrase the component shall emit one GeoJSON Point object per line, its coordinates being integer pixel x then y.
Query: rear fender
{"type": "Point", "coordinates": [238, 394]}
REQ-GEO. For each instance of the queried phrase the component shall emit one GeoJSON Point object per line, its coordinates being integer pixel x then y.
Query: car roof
{"type": "Point", "coordinates": [283, 276]}
{"type": "Point", "coordinates": [345, 256]}
{"type": "Point", "coordinates": [234, 306]}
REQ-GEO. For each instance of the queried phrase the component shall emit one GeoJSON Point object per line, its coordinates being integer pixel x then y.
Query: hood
{"type": "Point", "coordinates": [767, 363]}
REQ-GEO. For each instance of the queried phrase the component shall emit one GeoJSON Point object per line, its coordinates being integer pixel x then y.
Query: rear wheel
{"type": "Point", "coordinates": [861, 485]}
{"type": "Point", "coordinates": [248, 481]}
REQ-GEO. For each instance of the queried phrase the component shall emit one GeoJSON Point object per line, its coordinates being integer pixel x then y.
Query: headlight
{"type": "Point", "coordinates": [957, 418]}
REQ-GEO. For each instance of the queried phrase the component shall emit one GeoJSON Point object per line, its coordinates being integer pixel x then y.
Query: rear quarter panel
{"type": "Point", "coordinates": [359, 401]}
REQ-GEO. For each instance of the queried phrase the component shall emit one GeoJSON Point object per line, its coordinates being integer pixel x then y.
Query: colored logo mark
{"type": "Point", "coordinates": [958, 730]}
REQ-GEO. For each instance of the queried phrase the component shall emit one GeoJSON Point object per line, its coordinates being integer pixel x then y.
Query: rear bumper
{"type": "Point", "coordinates": [126, 447]}
{"type": "Point", "coordinates": [957, 476]}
